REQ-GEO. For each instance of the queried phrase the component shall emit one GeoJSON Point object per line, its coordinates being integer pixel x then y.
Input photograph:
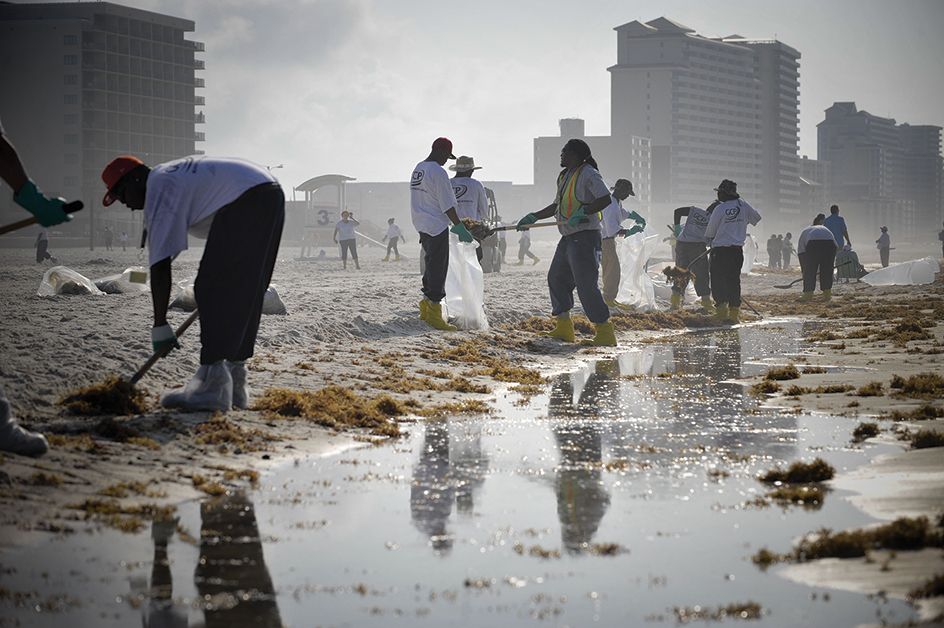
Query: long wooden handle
{"type": "Point", "coordinates": [68, 208]}
{"type": "Point", "coordinates": [164, 348]}
{"type": "Point", "coordinates": [531, 226]}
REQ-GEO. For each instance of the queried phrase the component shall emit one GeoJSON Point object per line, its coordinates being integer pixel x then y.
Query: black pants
{"type": "Point", "coordinates": [235, 272]}
{"type": "Point", "coordinates": [726, 263]}
{"type": "Point", "coordinates": [392, 244]}
{"type": "Point", "coordinates": [41, 253]}
{"type": "Point", "coordinates": [436, 257]}
{"type": "Point", "coordinates": [819, 257]}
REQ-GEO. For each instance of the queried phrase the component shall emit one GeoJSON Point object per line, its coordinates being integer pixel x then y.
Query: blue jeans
{"type": "Point", "coordinates": [576, 264]}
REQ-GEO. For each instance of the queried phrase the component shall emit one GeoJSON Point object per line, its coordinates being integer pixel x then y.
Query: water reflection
{"type": "Point", "coordinates": [162, 612]}
{"type": "Point", "coordinates": [451, 469]}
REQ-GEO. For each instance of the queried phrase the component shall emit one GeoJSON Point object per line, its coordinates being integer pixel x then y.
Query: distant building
{"type": "Point", "coordinates": [891, 173]}
{"type": "Point", "coordinates": [814, 188]}
{"type": "Point", "coordinates": [714, 109]}
{"type": "Point", "coordinates": [85, 82]}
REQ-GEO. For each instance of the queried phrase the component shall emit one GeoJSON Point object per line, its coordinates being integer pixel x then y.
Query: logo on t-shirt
{"type": "Point", "coordinates": [417, 179]}
{"type": "Point", "coordinates": [460, 190]}
{"type": "Point", "coordinates": [699, 219]}
{"type": "Point", "coordinates": [732, 212]}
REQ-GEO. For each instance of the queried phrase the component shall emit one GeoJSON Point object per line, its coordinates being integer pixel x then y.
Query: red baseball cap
{"type": "Point", "coordinates": [113, 172]}
{"type": "Point", "coordinates": [442, 142]}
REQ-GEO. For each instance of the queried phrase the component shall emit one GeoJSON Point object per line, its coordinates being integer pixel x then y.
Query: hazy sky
{"type": "Point", "coordinates": [362, 87]}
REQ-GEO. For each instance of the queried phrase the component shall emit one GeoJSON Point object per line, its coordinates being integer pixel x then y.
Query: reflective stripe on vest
{"type": "Point", "coordinates": [569, 203]}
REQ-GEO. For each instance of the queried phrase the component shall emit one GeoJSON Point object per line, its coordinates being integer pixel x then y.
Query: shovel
{"type": "Point", "coordinates": [68, 208]}
{"type": "Point", "coordinates": [165, 348]}
{"type": "Point", "coordinates": [531, 226]}
{"type": "Point", "coordinates": [796, 281]}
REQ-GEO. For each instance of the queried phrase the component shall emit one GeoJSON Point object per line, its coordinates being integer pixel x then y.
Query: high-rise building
{"type": "Point", "coordinates": [85, 82]}
{"type": "Point", "coordinates": [892, 174]}
{"type": "Point", "coordinates": [714, 109]}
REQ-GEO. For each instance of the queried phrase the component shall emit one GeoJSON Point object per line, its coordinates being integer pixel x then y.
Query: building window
{"type": "Point", "coordinates": [71, 79]}
{"type": "Point", "coordinates": [71, 158]}
{"type": "Point", "coordinates": [70, 138]}
{"type": "Point", "coordinates": [70, 40]}
{"type": "Point", "coordinates": [71, 118]}
{"type": "Point", "coordinates": [71, 99]}
{"type": "Point", "coordinates": [70, 59]}
{"type": "Point", "coordinates": [72, 182]}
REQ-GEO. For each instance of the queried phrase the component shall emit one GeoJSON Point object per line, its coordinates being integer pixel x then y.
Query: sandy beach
{"type": "Point", "coordinates": [359, 330]}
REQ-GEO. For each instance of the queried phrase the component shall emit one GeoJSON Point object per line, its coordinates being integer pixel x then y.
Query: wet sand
{"type": "Point", "coordinates": [346, 328]}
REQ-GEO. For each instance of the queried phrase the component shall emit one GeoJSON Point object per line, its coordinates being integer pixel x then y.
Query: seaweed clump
{"type": "Point", "coordinates": [113, 396]}
{"type": "Point", "coordinates": [334, 407]}
{"type": "Point", "coordinates": [921, 386]}
{"type": "Point", "coordinates": [786, 372]}
{"type": "Point", "coordinates": [801, 473]}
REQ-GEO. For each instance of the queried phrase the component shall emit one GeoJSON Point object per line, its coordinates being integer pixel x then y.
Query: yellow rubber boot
{"type": "Point", "coordinates": [535, 261]}
{"type": "Point", "coordinates": [605, 336]}
{"type": "Point", "coordinates": [807, 296]}
{"type": "Point", "coordinates": [424, 305]}
{"type": "Point", "coordinates": [734, 314]}
{"type": "Point", "coordinates": [520, 262]}
{"type": "Point", "coordinates": [708, 305]}
{"type": "Point", "coordinates": [675, 302]}
{"type": "Point", "coordinates": [435, 318]}
{"type": "Point", "coordinates": [564, 329]}
{"type": "Point", "coordinates": [397, 258]}
{"type": "Point", "coordinates": [721, 313]}
{"type": "Point", "coordinates": [387, 259]}
{"type": "Point", "coordinates": [828, 295]}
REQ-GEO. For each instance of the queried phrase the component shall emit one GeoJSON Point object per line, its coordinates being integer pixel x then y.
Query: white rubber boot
{"type": "Point", "coordinates": [237, 370]}
{"type": "Point", "coordinates": [15, 439]}
{"type": "Point", "coordinates": [210, 389]}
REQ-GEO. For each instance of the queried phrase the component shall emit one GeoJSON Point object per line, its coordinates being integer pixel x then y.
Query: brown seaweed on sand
{"type": "Point", "coordinates": [113, 396]}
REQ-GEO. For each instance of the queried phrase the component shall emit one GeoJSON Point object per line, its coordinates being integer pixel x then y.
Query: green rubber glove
{"type": "Point", "coordinates": [460, 230]}
{"type": "Point", "coordinates": [48, 211]}
{"type": "Point", "coordinates": [384, 239]}
{"type": "Point", "coordinates": [678, 230]}
{"type": "Point", "coordinates": [163, 335]}
{"type": "Point", "coordinates": [632, 230]}
{"type": "Point", "coordinates": [642, 221]}
{"type": "Point", "coordinates": [530, 219]}
{"type": "Point", "coordinates": [575, 217]}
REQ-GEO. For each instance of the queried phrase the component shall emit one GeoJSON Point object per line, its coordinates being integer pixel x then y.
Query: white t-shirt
{"type": "Point", "coordinates": [42, 234]}
{"type": "Point", "coordinates": [346, 230]}
{"type": "Point", "coordinates": [884, 241]}
{"type": "Point", "coordinates": [695, 225]}
{"type": "Point", "coordinates": [589, 187]}
{"type": "Point", "coordinates": [815, 232]}
{"type": "Point", "coordinates": [184, 194]}
{"type": "Point", "coordinates": [728, 223]}
{"type": "Point", "coordinates": [393, 231]}
{"type": "Point", "coordinates": [470, 198]}
{"type": "Point", "coordinates": [612, 217]}
{"type": "Point", "coordinates": [431, 196]}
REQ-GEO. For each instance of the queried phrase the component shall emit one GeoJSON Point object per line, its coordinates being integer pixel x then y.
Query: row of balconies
{"type": "Point", "coordinates": [166, 91]}
{"type": "Point", "coordinates": [179, 56]}
{"type": "Point", "coordinates": [135, 123]}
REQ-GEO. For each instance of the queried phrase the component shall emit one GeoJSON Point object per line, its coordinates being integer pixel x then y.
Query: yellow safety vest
{"type": "Point", "coordinates": [569, 203]}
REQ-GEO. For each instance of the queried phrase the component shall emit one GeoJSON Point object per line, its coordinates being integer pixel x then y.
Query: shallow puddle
{"type": "Point", "coordinates": [623, 494]}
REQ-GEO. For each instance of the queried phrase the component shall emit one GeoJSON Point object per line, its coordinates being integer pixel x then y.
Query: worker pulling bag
{"type": "Point", "coordinates": [465, 287]}
{"type": "Point", "coordinates": [636, 288]}
{"type": "Point", "coordinates": [750, 254]}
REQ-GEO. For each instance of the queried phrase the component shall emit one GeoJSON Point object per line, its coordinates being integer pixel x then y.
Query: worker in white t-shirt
{"type": "Point", "coordinates": [239, 208]}
{"type": "Point", "coordinates": [393, 236]}
{"type": "Point", "coordinates": [471, 201]}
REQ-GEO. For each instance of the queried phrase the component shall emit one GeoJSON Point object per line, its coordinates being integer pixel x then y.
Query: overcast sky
{"type": "Point", "coordinates": [362, 87]}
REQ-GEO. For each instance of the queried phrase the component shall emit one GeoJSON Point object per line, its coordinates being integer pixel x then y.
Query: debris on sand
{"type": "Point", "coordinates": [113, 396]}
{"type": "Point", "coordinates": [334, 407]}
{"type": "Point", "coordinates": [801, 473]}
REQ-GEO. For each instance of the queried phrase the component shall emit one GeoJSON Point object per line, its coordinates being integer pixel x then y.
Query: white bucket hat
{"type": "Point", "coordinates": [464, 163]}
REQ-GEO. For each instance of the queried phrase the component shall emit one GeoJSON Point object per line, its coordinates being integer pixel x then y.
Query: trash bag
{"type": "Point", "coordinates": [636, 288]}
{"type": "Point", "coordinates": [128, 281]}
{"type": "Point", "coordinates": [272, 303]}
{"type": "Point", "coordinates": [911, 273]}
{"type": "Point", "coordinates": [750, 254]}
{"type": "Point", "coordinates": [62, 280]}
{"type": "Point", "coordinates": [465, 286]}
{"type": "Point", "coordinates": [185, 299]}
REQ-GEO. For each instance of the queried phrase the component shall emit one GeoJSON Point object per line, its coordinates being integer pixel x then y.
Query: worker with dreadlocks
{"type": "Point", "coordinates": [728, 228]}
{"type": "Point", "coordinates": [691, 247]}
{"type": "Point", "coordinates": [581, 194]}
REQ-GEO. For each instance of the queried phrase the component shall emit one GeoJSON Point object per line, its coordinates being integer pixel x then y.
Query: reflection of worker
{"type": "Point", "coordinates": [611, 220]}
{"type": "Point", "coordinates": [884, 243]}
{"type": "Point", "coordinates": [691, 252]}
{"type": "Point", "coordinates": [393, 236]}
{"type": "Point", "coordinates": [48, 211]}
{"type": "Point", "coordinates": [433, 206]}
{"type": "Point", "coordinates": [431, 492]}
{"type": "Point", "coordinates": [239, 208]}
{"type": "Point", "coordinates": [581, 194]}
{"type": "Point", "coordinates": [727, 228]}
{"type": "Point", "coordinates": [162, 612]}
{"type": "Point", "coordinates": [816, 250]}
{"type": "Point", "coordinates": [345, 235]}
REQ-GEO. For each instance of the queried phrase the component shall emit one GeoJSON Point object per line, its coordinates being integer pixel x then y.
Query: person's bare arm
{"type": "Point", "coordinates": [160, 290]}
{"type": "Point", "coordinates": [11, 168]}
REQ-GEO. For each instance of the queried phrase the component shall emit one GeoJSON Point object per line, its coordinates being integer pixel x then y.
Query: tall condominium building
{"type": "Point", "coordinates": [891, 174]}
{"type": "Point", "coordinates": [83, 83]}
{"type": "Point", "coordinates": [714, 109]}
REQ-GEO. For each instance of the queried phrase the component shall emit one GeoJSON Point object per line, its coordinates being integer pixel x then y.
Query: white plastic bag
{"type": "Point", "coordinates": [750, 254]}
{"type": "Point", "coordinates": [63, 280]}
{"type": "Point", "coordinates": [121, 284]}
{"type": "Point", "coordinates": [185, 299]}
{"type": "Point", "coordinates": [636, 288]}
{"type": "Point", "coordinates": [272, 302]}
{"type": "Point", "coordinates": [465, 286]}
{"type": "Point", "coordinates": [911, 273]}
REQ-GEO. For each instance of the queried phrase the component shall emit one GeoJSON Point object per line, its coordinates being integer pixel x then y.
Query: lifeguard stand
{"type": "Point", "coordinates": [320, 215]}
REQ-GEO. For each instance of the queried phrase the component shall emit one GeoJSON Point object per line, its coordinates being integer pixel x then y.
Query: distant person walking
{"type": "Point", "coordinates": [109, 238]}
{"type": "Point", "coordinates": [524, 248]}
{"type": "Point", "coordinates": [884, 244]}
{"type": "Point", "coordinates": [816, 249]}
{"type": "Point", "coordinates": [502, 243]}
{"type": "Point", "coordinates": [345, 236]}
{"type": "Point", "coordinates": [611, 219]}
{"type": "Point", "coordinates": [393, 236]}
{"type": "Point", "coordinates": [787, 250]}
{"type": "Point", "coordinates": [42, 244]}
{"type": "Point", "coordinates": [433, 208]}
{"type": "Point", "coordinates": [940, 236]}
{"type": "Point", "coordinates": [690, 252]}
{"type": "Point", "coordinates": [727, 229]}
{"type": "Point", "coordinates": [124, 241]}
{"type": "Point", "coordinates": [837, 224]}
{"type": "Point", "coordinates": [773, 252]}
